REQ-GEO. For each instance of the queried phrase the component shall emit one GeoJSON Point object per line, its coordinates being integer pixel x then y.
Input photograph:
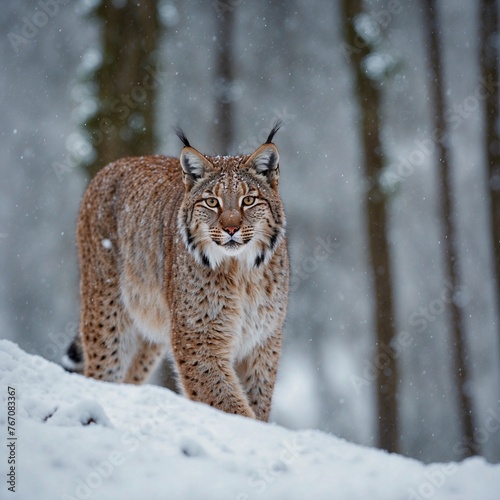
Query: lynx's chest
{"type": "Point", "coordinates": [239, 303]}
{"type": "Point", "coordinates": [257, 312]}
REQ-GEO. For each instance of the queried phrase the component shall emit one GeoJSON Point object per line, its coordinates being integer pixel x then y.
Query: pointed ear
{"type": "Point", "coordinates": [265, 161]}
{"type": "Point", "coordinates": [194, 165]}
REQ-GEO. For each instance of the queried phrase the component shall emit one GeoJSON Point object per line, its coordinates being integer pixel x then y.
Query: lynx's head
{"type": "Point", "coordinates": [231, 207]}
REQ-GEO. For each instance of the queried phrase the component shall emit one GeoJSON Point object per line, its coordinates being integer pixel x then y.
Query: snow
{"type": "Point", "coordinates": [79, 438]}
{"type": "Point", "coordinates": [106, 244]}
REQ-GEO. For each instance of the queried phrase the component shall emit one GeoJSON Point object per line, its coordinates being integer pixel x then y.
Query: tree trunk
{"type": "Point", "coordinates": [224, 82]}
{"type": "Point", "coordinates": [489, 36]}
{"type": "Point", "coordinates": [449, 239]}
{"type": "Point", "coordinates": [368, 95]}
{"type": "Point", "coordinates": [127, 80]}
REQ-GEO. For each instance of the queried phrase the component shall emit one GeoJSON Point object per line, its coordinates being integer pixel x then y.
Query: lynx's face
{"type": "Point", "coordinates": [231, 206]}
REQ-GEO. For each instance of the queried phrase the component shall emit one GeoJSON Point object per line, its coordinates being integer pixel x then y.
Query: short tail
{"type": "Point", "coordinates": [73, 360]}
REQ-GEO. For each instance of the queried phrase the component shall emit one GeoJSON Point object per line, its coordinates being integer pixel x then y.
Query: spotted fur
{"type": "Point", "coordinates": [187, 256]}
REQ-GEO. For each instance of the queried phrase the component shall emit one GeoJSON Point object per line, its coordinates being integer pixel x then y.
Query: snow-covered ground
{"type": "Point", "coordinates": [78, 438]}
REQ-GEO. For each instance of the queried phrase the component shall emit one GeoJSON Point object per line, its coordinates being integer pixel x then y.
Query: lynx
{"type": "Point", "coordinates": [186, 256]}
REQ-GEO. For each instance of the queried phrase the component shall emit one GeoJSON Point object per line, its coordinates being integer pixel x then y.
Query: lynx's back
{"type": "Point", "coordinates": [187, 256]}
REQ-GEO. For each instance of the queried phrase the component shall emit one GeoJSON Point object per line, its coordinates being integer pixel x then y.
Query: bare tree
{"type": "Point", "coordinates": [449, 239]}
{"type": "Point", "coordinates": [224, 80]}
{"type": "Point", "coordinates": [489, 36]}
{"type": "Point", "coordinates": [369, 97]}
{"type": "Point", "coordinates": [126, 82]}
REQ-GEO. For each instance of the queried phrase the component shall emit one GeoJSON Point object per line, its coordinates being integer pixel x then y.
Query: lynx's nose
{"type": "Point", "coordinates": [230, 229]}
{"type": "Point", "coordinates": [230, 220]}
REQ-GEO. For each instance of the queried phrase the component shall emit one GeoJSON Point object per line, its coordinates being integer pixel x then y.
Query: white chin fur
{"type": "Point", "coordinates": [216, 254]}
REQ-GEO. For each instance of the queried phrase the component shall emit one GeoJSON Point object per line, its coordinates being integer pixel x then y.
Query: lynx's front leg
{"type": "Point", "coordinates": [206, 372]}
{"type": "Point", "coordinates": [257, 373]}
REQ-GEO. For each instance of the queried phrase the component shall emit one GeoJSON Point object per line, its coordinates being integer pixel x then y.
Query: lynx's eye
{"type": "Point", "coordinates": [248, 200]}
{"type": "Point", "coordinates": [212, 202]}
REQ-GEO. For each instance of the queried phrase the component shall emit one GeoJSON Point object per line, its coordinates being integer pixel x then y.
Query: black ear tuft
{"type": "Point", "coordinates": [180, 134]}
{"type": "Point", "coordinates": [275, 129]}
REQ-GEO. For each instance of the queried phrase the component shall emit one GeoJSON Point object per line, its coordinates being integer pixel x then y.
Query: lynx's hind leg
{"type": "Point", "coordinates": [146, 358]}
{"type": "Point", "coordinates": [105, 327]}
{"type": "Point", "coordinates": [104, 322]}
{"type": "Point", "coordinates": [257, 373]}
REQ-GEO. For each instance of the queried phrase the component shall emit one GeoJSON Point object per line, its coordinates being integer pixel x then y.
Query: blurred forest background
{"type": "Point", "coordinates": [390, 178]}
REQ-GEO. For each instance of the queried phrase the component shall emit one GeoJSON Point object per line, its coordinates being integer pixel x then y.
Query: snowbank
{"type": "Point", "coordinates": [78, 438]}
